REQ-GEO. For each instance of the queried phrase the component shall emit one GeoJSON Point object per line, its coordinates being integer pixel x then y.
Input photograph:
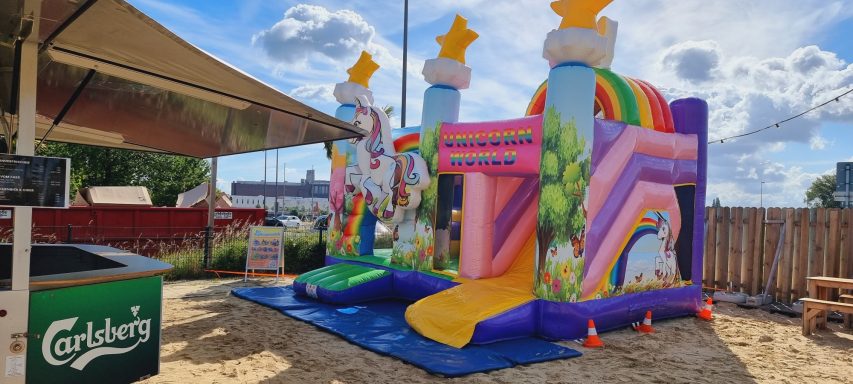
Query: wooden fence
{"type": "Point", "coordinates": [740, 244]}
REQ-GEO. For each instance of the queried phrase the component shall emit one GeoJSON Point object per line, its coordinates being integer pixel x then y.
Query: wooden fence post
{"type": "Point", "coordinates": [847, 244]}
{"type": "Point", "coordinates": [801, 259]}
{"type": "Point", "coordinates": [816, 262]}
{"type": "Point", "coordinates": [710, 246]}
{"type": "Point", "coordinates": [758, 252]}
{"type": "Point", "coordinates": [735, 249]}
{"type": "Point", "coordinates": [783, 271]}
{"type": "Point", "coordinates": [771, 239]}
{"type": "Point", "coordinates": [722, 266]}
{"type": "Point", "coordinates": [833, 246]}
{"type": "Point", "coordinates": [749, 248]}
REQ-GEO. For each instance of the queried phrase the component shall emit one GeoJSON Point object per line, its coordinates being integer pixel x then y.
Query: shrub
{"type": "Point", "coordinates": [230, 256]}
{"type": "Point", "coordinates": [303, 254]}
{"type": "Point", "coordinates": [383, 242]}
{"type": "Point", "coordinates": [186, 264]}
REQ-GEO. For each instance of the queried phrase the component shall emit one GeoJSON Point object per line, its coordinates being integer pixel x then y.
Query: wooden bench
{"type": "Point", "coordinates": [817, 307]}
{"type": "Point", "coordinates": [814, 315]}
{"type": "Point", "coordinates": [848, 318]}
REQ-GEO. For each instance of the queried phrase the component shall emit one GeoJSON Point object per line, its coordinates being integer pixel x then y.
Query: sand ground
{"type": "Point", "coordinates": [210, 336]}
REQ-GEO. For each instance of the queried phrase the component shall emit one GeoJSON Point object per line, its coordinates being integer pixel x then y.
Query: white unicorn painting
{"type": "Point", "coordinates": [390, 182]}
{"type": "Point", "coordinates": [666, 263]}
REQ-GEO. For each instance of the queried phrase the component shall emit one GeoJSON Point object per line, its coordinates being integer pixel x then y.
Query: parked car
{"type": "Point", "coordinates": [321, 223]}
{"type": "Point", "coordinates": [289, 221]}
{"type": "Point", "coordinates": [271, 221]}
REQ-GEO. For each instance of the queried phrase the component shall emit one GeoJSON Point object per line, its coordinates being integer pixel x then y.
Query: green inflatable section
{"type": "Point", "coordinates": [338, 277]}
{"type": "Point", "coordinates": [383, 257]}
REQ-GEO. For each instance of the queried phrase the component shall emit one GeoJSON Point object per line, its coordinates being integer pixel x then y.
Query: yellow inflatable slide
{"type": "Point", "coordinates": [450, 316]}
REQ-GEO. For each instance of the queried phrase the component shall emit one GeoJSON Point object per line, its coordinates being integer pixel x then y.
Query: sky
{"type": "Point", "coordinates": [755, 62]}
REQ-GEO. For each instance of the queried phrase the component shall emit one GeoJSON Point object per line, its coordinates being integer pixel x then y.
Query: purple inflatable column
{"type": "Point", "coordinates": [690, 116]}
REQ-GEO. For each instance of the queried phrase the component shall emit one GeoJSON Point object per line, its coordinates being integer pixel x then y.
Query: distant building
{"type": "Point", "coordinates": [308, 195]}
{"type": "Point", "coordinates": [305, 188]}
{"type": "Point", "coordinates": [844, 184]}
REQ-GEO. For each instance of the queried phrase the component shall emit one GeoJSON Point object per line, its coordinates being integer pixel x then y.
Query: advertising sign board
{"type": "Point", "coordinates": [97, 333]}
{"type": "Point", "coordinates": [264, 248]}
{"type": "Point", "coordinates": [34, 181]}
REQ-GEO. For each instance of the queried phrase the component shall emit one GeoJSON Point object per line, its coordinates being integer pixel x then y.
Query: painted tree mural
{"type": "Point", "coordinates": [563, 180]}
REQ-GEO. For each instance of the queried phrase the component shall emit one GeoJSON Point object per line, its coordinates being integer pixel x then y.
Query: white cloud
{"type": "Point", "coordinates": [309, 29]}
{"type": "Point", "coordinates": [320, 92]}
{"type": "Point", "coordinates": [693, 61]}
{"type": "Point", "coordinates": [746, 93]}
{"type": "Point", "coordinates": [817, 142]}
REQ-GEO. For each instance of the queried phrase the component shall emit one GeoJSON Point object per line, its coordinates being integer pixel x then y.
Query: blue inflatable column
{"type": "Point", "coordinates": [571, 92]}
{"type": "Point", "coordinates": [568, 111]}
{"type": "Point", "coordinates": [441, 105]}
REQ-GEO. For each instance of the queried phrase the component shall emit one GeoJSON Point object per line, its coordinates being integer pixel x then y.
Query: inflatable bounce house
{"type": "Point", "coordinates": [588, 207]}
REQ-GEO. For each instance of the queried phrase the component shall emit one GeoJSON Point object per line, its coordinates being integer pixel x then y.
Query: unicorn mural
{"type": "Point", "coordinates": [666, 262]}
{"type": "Point", "coordinates": [390, 182]}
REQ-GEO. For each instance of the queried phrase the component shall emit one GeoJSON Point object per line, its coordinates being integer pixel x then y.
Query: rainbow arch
{"type": "Point", "coordinates": [646, 226]}
{"type": "Point", "coordinates": [356, 215]}
{"type": "Point", "coordinates": [407, 143]}
{"type": "Point", "coordinates": [620, 98]}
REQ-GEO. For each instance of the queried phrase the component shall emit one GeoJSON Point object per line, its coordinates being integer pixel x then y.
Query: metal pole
{"type": "Point", "coordinates": [275, 203]}
{"type": "Point", "coordinates": [771, 277]}
{"type": "Point", "coordinates": [205, 257]}
{"type": "Point", "coordinates": [405, 59]}
{"type": "Point", "coordinates": [211, 212]}
{"type": "Point", "coordinates": [283, 184]}
{"type": "Point", "coordinates": [265, 182]}
{"type": "Point", "coordinates": [211, 192]}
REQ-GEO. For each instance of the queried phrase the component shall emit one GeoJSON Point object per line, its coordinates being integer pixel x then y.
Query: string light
{"type": "Point", "coordinates": [779, 124]}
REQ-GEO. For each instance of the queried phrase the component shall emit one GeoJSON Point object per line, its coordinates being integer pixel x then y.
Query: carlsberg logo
{"type": "Point", "coordinates": [60, 346]}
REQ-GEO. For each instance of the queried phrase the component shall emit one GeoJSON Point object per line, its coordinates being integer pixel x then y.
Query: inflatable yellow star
{"type": "Point", "coordinates": [363, 69]}
{"type": "Point", "coordinates": [456, 41]}
{"type": "Point", "coordinates": [579, 13]}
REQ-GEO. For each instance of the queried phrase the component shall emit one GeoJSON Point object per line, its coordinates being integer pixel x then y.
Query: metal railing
{"type": "Point", "coordinates": [191, 250]}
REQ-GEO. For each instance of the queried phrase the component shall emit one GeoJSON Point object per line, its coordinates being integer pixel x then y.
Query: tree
{"type": "Point", "coordinates": [389, 110]}
{"type": "Point", "coordinates": [819, 194]}
{"type": "Point", "coordinates": [429, 196]}
{"type": "Point", "coordinates": [563, 180]}
{"type": "Point", "coordinates": [164, 175]}
{"type": "Point", "coordinates": [716, 203]}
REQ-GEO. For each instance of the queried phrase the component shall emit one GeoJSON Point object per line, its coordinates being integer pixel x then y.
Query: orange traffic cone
{"type": "Point", "coordinates": [646, 326]}
{"type": "Point", "coordinates": [592, 340]}
{"type": "Point", "coordinates": [705, 313]}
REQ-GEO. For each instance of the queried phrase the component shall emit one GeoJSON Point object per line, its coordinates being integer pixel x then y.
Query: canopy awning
{"type": "Point", "coordinates": [125, 81]}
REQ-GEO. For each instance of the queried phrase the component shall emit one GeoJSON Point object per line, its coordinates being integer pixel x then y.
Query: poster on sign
{"type": "Point", "coordinates": [506, 148]}
{"type": "Point", "coordinates": [264, 250]}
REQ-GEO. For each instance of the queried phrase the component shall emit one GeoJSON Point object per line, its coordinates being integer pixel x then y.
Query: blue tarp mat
{"type": "Point", "coordinates": [380, 326]}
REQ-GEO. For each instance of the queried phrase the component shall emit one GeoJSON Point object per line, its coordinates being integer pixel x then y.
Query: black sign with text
{"type": "Point", "coordinates": [32, 181]}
